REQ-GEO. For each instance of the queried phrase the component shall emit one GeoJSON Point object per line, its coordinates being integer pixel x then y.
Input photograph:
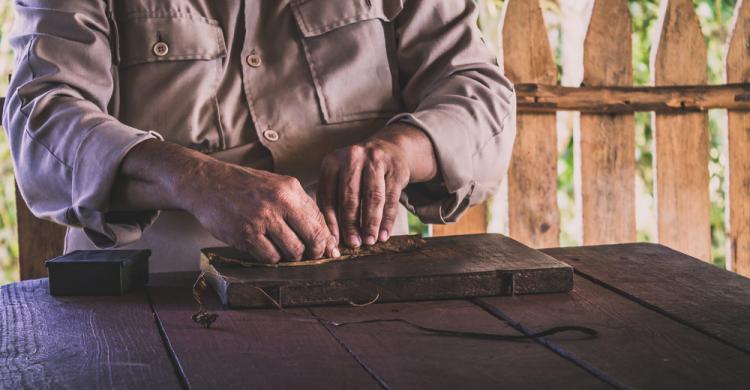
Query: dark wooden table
{"type": "Point", "coordinates": [665, 320]}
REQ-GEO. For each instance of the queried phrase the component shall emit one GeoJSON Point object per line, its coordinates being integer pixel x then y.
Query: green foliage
{"type": "Point", "coordinates": [8, 231]}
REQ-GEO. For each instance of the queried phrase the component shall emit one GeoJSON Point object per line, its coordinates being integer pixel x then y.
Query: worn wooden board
{"type": "Point", "coordinates": [446, 267]}
{"type": "Point", "coordinates": [79, 342]}
{"type": "Point", "coordinates": [637, 346]}
{"type": "Point", "coordinates": [533, 214]}
{"type": "Point", "coordinates": [259, 349]}
{"type": "Point", "coordinates": [406, 358]}
{"type": "Point", "coordinates": [681, 140]}
{"type": "Point", "coordinates": [738, 145]}
{"type": "Point", "coordinates": [606, 167]}
{"type": "Point", "coordinates": [700, 295]}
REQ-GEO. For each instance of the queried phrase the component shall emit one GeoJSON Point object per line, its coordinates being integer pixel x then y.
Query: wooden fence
{"type": "Point", "coordinates": [606, 146]}
{"type": "Point", "coordinates": [605, 149]}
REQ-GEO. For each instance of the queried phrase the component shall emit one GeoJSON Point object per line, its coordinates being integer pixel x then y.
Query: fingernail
{"type": "Point", "coordinates": [336, 252]}
{"type": "Point", "coordinates": [370, 240]}
{"type": "Point", "coordinates": [354, 241]}
{"type": "Point", "coordinates": [383, 236]}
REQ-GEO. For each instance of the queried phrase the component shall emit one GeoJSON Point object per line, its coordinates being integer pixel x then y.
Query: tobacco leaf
{"type": "Point", "coordinates": [396, 244]}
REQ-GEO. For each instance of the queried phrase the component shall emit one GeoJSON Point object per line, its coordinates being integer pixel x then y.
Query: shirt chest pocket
{"type": "Point", "coordinates": [169, 71]}
{"type": "Point", "coordinates": [350, 46]}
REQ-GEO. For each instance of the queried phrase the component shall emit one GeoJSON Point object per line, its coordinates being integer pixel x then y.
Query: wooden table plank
{"type": "Point", "coordinates": [79, 342]}
{"type": "Point", "coordinates": [707, 298]}
{"type": "Point", "coordinates": [404, 357]}
{"type": "Point", "coordinates": [260, 349]}
{"type": "Point", "coordinates": [636, 346]}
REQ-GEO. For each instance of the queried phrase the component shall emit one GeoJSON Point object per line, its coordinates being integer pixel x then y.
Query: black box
{"type": "Point", "coordinates": [98, 272]}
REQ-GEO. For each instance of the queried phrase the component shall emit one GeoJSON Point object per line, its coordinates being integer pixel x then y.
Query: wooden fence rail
{"type": "Point", "coordinates": [605, 145]}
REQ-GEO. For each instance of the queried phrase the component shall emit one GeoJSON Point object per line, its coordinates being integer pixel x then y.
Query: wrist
{"type": "Point", "coordinates": [161, 175]}
{"type": "Point", "coordinates": [415, 147]}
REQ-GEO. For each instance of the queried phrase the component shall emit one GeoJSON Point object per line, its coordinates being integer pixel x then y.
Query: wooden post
{"type": "Point", "coordinates": [607, 141]}
{"type": "Point", "coordinates": [38, 241]}
{"type": "Point", "coordinates": [533, 215]}
{"type": "Point", "coordinates": [681, 140]}
{"type": "Point", "coordinates": [738, 70]}
{"type": "Point", "coordinates": [474, 221]}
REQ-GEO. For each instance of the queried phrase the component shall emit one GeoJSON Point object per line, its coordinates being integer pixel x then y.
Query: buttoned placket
{"type": "Point", "coordinates": [251, 72]}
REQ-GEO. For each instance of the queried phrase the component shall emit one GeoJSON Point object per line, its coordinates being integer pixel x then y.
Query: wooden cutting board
{"type": "Point", "coordinates": [445, 267]}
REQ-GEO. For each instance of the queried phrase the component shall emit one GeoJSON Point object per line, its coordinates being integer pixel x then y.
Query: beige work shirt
{"type": "Point", "coordinates": [268, 84]}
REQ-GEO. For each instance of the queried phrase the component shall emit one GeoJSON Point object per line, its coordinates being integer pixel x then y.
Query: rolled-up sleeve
{"type": "Point", "coordinates": [66, 148]}
{"type": "Point", "coordinates": [454, 90]}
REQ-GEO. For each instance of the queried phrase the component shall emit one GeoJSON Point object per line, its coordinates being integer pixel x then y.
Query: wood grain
{"type": "Point", "coordinates": [79, 342]}
{"type": "Point", "coordinates": [446, 267]}
{"type": "Point", "coordinates": [681, 140]}
{"type": "Point", "coordinates": [637, 346]}
{"type": "Point", "coordinates": [712, 300]}
{"type": "Point", "coordinates": [533, 214]}
{"type": "Point", "coordinates": [473, 222]}
{"type": "Point", "coordinates": [607, 142]}
{"type": "Point", "coordinates": [738, 144]}
{"type": "Point", "coordinates": [261, 349]}
{"type": "Point", "coordinates": [38, 241]}
{"type": "Point", "coordinates": [405, 358]}
{"type": "Point", "coordinates": [615, 99]}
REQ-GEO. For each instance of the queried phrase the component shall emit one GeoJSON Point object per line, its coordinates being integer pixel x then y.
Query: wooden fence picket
{"type": "Point", "coordinates": [533, 214]}
{"type": "Point", "coordinates": [681, 140]}
{"type": "Point", "coordinates": [738, 71]}
{"type": "Point", "coordinates": [474, 221]}
{"type": "Point", "coordinates": [38, 241]}
{"type": "Point", "coordinates": [606, 168]}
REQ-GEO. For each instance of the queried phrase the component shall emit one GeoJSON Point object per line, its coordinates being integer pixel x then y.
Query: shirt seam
{"type": "Point", "coordinates": [26, 115]}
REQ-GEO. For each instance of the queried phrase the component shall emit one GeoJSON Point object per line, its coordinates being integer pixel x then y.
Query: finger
{"type": "Point", "coordinates": [349, 183]}
{"type": "Point", "coordinates": [390, 210]}
{"type": "Point", "coordinates": [373, 201]}
{"type": "Point", "coordinates": [262, 249]}
{"type": "Point", "coordinates": [289, 245]}
{"type": "Point", "coordinates": [309, 225]}
{"type": "Point", "coordinates": [326, 199]}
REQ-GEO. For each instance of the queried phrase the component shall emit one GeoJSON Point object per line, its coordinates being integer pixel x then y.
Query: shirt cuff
{"type": "Point", "coordinates": [447, 201]}
{"type": "Point", "coordinates": [96, 167]}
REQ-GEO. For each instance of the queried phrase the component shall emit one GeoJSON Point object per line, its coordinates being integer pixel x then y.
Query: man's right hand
{"type": "Point", "coordinates": [266, 214]}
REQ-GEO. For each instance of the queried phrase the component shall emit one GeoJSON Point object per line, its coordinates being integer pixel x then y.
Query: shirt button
{"type": "Point", "coordinates": [254, 60]}
{"type": "Point", "coordinates": [160, 49]}
{"type": "Point", "coordinates": [271, 135]}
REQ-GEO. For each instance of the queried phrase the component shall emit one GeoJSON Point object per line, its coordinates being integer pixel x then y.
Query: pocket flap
{"type": "Point", "coordinates": [186, 37]}
{"type": "Point", "coordinates": [316, 17]}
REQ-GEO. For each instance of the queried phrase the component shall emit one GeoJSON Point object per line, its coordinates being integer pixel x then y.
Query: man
{"type": "Point", "coordinates": [229, 116]}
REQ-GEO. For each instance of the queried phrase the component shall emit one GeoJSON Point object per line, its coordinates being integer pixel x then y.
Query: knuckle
{"type": "Point", "coordinates": [350, 204]}
{"type": "Point", "coordinates": [291, 183]}
{"type": "Point", "coordinates": [376, 154]}
{"type": "Point", "coordinates": [317, 248]}
{"type": "Point", "coordinates": [296, 250]}
{"type": "Point", "coordinates": [265, 213]}
{"type": "Point", "coordinates": [376, 196]}
{"type": "Point", "coordinates": [354, 153]}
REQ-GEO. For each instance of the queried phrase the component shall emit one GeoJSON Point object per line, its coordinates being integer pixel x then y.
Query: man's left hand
{"type": "Point", "coordinates": [360, 185]}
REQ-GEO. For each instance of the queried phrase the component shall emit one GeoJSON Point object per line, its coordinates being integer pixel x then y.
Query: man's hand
{"type": "Point", "coordinates": [266, 214]}
{"type": "Point", "coordinates": [360, 185]}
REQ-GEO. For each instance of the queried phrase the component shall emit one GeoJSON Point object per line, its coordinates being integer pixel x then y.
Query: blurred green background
{"type": "Point", "coordinates": [565, 21]}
